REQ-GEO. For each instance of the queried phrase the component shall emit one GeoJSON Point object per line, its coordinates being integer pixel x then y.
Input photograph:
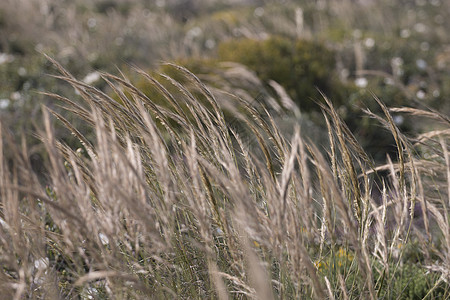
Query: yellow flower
{"type": "Point", "coordinates": [320, 265]}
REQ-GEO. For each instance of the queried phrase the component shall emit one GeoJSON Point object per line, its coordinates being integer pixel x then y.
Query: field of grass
{"type": "Point", "coordinates": [292, 151]}
{"type": "Point", "coordinates": [172, 202]}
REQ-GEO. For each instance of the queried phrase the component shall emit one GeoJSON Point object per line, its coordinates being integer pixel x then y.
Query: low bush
{"type": "Point", "coordinates": [302, 67]}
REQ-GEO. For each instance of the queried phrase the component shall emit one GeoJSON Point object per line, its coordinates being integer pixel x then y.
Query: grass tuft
{"type": "Point", "coordinates": [167, 199]}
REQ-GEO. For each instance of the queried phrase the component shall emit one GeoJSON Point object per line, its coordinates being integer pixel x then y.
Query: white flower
{"type": "Point", "coordinates": [398, 120]}
{"type": "Point", "coordinates": [420, 94]}
{"type": "Point", "coordinates": [92, 23]}
{"type": "Point", "coordinates": [361, 82]}
{"type": "Point", "coordinates": [4, 103]}
{"type": "Point", "coordinates": [420, 27]}
{"type": "Point", "coordinates": [6, 58]}
{"type": "Point", "coordinates": [41, 263]}
{"type": "Point", "coordinates": [421, 64]}
{"type": "Point", "coordinates": [91, 77]}
{"type": "Point", "coordinates": [369, 42]}
{"type": "Point", "coordinates": [103, 238]}
{"type": "Point", "coordinates": [405, 33]}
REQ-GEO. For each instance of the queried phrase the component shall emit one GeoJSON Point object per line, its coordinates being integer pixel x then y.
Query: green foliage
{"type": "Point", "coordinates": [2, 21]}
{"type": "Point", "coordinates": [303, 67]}
{"type": "Point", "coordinates": [408, 279]}
{"type": "Point", "coordinates": [106, 6]}
{"type": "Point", "coordinates": [411, 281]}
{"type": "Point", "coordinates": [300, 66]}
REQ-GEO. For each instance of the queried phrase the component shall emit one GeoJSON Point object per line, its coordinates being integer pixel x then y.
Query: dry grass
{"type": "Point", "coordinates": [169, 201]}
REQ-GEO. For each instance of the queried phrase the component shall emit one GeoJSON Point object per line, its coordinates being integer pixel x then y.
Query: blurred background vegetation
{"type": "Point", "coordinates": [349, 50]}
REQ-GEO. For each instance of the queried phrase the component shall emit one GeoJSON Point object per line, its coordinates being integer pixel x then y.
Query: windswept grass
{"type": "Point", "coordinates": [169, 201]}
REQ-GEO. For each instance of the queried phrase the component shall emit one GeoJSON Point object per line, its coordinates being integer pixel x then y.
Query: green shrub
{"type": "Point", "coordinates": [301, 67]}
{"type": "Point", "coordinates": [414, 282]}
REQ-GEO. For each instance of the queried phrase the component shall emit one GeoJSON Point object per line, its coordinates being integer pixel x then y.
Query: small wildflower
{"type": "Point", "coordinates": [421, 64]}
{"type": "Point", "coordinates": [320, 265]}
{"type": "Point", "coordinates": [91, 77]}
{"type": "Point", "coordinates": [4, 103]}
{"type": "Point", "coordinates": [259, 12]}
{"type": "Point", "coordinates": [369, 42]}
{"type": "Point", "coordinates": [92, 23]}
{"type": "Point", "coordinates": [41, 263]}
{"type": "Point", "coordinates": [103, 238]}
{"type": "Point", "coordinates": [361, 82]}
{"type": "Point", "coordinates": [420, 94]}
{"type": "Point", "coordinates": [405, 33]}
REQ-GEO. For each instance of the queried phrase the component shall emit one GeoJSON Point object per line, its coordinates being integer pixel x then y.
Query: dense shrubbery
{"type": "Point", "coordinates": [301, 67]}
{"type": "Point", "coordinates": [304, 69]}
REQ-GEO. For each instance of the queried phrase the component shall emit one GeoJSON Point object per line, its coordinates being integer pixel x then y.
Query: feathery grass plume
{"type": "Point", "coordinates": [170, 200]}
{"type": "Point", "coordinates": [344, 136]}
